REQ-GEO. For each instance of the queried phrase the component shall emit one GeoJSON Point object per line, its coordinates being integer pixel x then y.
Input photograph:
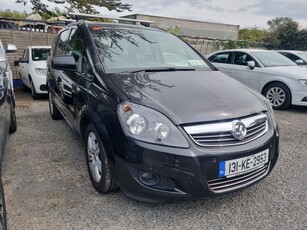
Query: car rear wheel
{"type": "Point", "coordinates": [54, 111]}
{"type": "Point", "coordinates": [97, 162]}
{"type": "Point", "coordinates": [33, 91]}
{"type": "Point", "coordinates": [279, 95]}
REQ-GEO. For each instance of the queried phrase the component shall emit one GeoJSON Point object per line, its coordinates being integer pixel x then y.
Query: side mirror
{"type": "Point", "coordinates": [251, 64]}
{"type": "Point", "coordinates": [299, 62]}
{"type": "Point", "coordinates": [64, 63]}
{"type": "Point", "coordinates": [11, 48]}
{"type": "Point", "coordinates": [23, 60]}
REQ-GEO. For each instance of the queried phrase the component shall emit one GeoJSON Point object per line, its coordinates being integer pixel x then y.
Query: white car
{"type": "Point", "coordinates": [32, 69]}
{"type": "Point", "coordinates": [279, 79]}
{"type": "Point", "coordinates": [299, 57]}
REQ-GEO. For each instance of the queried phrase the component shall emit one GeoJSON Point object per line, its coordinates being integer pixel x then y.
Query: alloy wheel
{"type": "Point", "coordinates": [276, 96]}
{"type": "Point", "coordinates": [93, 154]}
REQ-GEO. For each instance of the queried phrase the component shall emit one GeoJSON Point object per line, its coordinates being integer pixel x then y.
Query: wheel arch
{"type": "Point", "coordinates": [91, 118]}
{"type": "Point", "coordinates": [276, 81]}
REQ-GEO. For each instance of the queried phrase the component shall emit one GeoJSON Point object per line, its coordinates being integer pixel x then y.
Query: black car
{"type": "Point", "coordinates": [159, 121]}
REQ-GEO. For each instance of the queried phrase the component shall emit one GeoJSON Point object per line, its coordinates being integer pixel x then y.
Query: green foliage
{"type": "Point", "coordinates": [82, 6]}
{"type": "Point", "coordinates": [13, 14]}
{"type": "Point", "coordinates": [235, 44]}
{"type": "Point", "coordinates": [252, 35]}
{"type": "Point", "coordinates": [175, 30]}
{"type": "Point", "coordinates": [284, 33]}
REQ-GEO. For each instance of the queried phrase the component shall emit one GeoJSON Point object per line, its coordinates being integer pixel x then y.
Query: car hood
{"type": "Point", "coordinates": [191, 96]}
{"type": "Point", "coordinates": [39, 64]}
{"type": "Point", "coordinates": [295, 72]}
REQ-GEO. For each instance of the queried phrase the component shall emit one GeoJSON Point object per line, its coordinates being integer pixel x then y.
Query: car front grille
{"type": "Point", "coordinates": [222, 185]}
{"type": "Point", "coordinates": [220, 134]}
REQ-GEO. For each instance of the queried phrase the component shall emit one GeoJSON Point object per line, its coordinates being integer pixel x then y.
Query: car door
{"type": "Point", "coordinates": [240, 70]}
{"type": "Point", "coordinates": [70, 43]}
{"type": "Point", "coordinates": [222, 61]}
{"type": "Point", "coordinates": [24, 68]}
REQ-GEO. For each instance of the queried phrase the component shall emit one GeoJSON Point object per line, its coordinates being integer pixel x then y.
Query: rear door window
{"type": "Point", "coordinates": [223, 57]}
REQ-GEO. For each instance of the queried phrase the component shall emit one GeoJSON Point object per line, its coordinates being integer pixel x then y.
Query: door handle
{"type": "Point", "coordinates": [229, 71]}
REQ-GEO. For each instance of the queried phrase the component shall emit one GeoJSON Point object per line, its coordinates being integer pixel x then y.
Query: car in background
{"type": "Point", "coordinates": [8, 122]}
{"type": "Point", "coordinates": [279, 79]}
{"type": "Point", "coordinates": [157, 119]}
{"type": "Point", "coordinates": [10, 48]}
{"type": "Point", "coordinates": [32, 69]}
{"type": "Point", "coordinates": [299, 57]}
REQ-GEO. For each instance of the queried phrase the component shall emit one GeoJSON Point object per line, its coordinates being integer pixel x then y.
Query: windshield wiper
{"type": "Point", "coordinates": [162, 69]}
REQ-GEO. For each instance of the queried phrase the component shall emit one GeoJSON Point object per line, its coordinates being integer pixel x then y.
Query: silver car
{"type": "Point", "coordinates": [279, 79]}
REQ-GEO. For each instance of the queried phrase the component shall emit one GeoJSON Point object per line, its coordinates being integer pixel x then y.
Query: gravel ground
{"type": "Point", "coordinates": [47, 186]}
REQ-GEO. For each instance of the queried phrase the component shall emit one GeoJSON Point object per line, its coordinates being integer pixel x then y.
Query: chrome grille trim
{"type": "Point", "coordinates": [222, 185]}
{"type": "Point", "coordinates": [219, 134]}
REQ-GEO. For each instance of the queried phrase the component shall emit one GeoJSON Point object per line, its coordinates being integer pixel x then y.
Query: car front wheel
{"type": "Point", "coordinates": [33, 91]}
{"type": "Point", "coordinates": [97, 162]}
{"type": "Point", "coordinates": [54, 111]}
{"type": "Point", "coordinates": [279, 95]}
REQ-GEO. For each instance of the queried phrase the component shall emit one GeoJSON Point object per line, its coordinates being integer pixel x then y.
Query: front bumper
{"type": "Point", "coordinates": [177, 174]}
{"type": "Point", "coordinates": [39, 82]}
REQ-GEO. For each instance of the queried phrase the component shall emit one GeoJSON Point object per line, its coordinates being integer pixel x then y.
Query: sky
{"type": "Point", "coordinates": [237, 12]}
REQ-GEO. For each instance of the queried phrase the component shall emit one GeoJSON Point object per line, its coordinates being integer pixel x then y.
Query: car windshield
{"type": "Point", "coordinates": [303, 55]}
{"type": "Point", "coordinates": [40, 54]}
{"type": "Point", "coordinates": [129, 50]}
{"type": "Point", "coordinates": [272, 59]}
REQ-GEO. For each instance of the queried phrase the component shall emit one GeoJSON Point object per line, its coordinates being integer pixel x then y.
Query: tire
{"type": "Point", "coordinates": [3, 220]}
{"type": "Point", "coordinates": [97, 162]}
{"type": "Point", "coordinates": [33, 91]}
{"type": "Point", "coordinates": [24, 87]}
{"type": "Point", "coordinates": [13, 123]}
{"type": "Point", "coordinates": [279, 95]}
{"type": "Point", "coordinates": [54, 111]}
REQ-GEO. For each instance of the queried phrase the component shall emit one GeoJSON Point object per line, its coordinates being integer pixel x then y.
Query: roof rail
{"type": "Point", "coordinates": [79, 16]}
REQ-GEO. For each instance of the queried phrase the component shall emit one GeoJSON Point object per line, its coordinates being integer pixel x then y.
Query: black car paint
{"type": "Point", "coordinates": [95, 99]}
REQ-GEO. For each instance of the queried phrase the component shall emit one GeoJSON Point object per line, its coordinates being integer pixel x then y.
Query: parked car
{"type": "Point", "coordinates": [158, 120]}
{"type": "Point", "coordinates": [299, 57]}
{"type": "Point", "coordinates": [8, 122]}
{"type": "Point", "coordinates": [280, 80]}
{"type": "Point", "coordinates": [10, 48]}
{"type": "Point", "coordinates": [32, 69]}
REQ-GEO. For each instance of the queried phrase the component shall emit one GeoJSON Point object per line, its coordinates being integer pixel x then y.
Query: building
{"type": "Point", "coordinates": [192, 27]}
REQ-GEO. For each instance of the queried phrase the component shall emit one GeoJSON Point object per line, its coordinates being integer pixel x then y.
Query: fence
{"type": "Point", "coordinates": [23, 39]}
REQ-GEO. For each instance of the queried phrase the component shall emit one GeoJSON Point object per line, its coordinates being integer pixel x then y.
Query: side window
{"type": "Point", "coordinates": [241, 58]}
{"type": "Point", "coordinates": [220, 57]}
{"type": "Point", "coordinates": [26, 54]}
{"type": "Point", "coordinates": [60, 49]}
{"type": "Point", "coordinates": [292, 57]}
{"type": "Point", "coordinates": [75, 43]}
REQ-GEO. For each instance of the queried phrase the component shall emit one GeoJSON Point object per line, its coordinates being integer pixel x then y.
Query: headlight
{"type": "Point", "coordinates": [303, 82]}
{"type": "Point", "coordinates": [271, 113]}
{"type": "Point", "coordinates": [3, 67]}
{"type": "Point", "coordinates": [41, 71]}
{"type": "Point", "coordinates": [148, 125]}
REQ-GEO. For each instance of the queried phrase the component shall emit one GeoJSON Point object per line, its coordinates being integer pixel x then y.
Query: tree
{"type": "Point", "coordinates": [283, 33]}
{"type": "Point", "coordinates": [81, 6]}
{"type": "Point", "coordinates": [252, 34]}
{"type": "Point", "coordinates": [13, 14]}
{"type": "Point", "coordinates": [175, 30]}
